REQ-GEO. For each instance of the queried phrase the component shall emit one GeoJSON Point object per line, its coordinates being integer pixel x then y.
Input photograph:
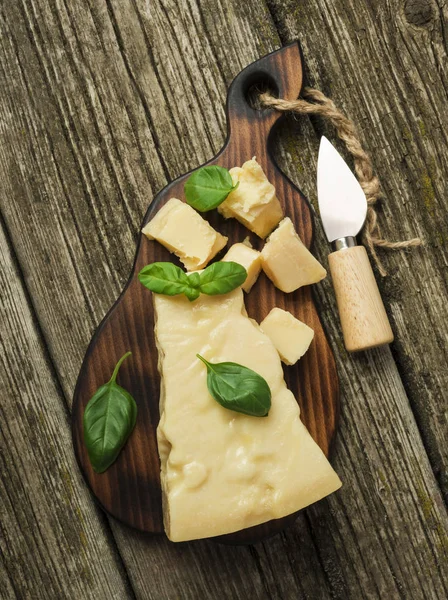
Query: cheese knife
{"type": "Point", "coordinates": [343, 210]}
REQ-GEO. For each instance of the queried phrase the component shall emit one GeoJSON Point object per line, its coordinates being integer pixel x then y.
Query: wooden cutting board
{"type": "Point", "coordinates": [130, 489]}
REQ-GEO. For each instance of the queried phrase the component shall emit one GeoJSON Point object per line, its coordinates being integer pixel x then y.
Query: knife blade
{"type": "Point", "coordinates": [343, 210]}
{"type": "Point", "coordinates": [342, 202]}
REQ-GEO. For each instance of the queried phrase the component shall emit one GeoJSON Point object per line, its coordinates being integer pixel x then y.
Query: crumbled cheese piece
{"type": "Point", "coordinates": [249, 259]}
{"type": "Point", "coordinates": [254, 202]}
{"type": "Point", "coordinates": [179, 228]}
{"type": "Point", "coordinates": [291, 337]}
{"type": "Point", "coordinates": [287, 262]}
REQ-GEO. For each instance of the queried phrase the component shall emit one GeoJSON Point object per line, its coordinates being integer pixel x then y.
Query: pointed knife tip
{"type": "Point", "coordinates": [324, 143]}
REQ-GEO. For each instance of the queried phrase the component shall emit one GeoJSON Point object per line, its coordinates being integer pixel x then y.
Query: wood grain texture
{"type": "Point", "coordinates": [363, 318]}
{"type": "Point", "coordinates": [70, 148]}
{"type": "Point", "coordinates": [394, 85]}
{"type": "Point", "coordinates": [102, 104]}
{"type": "Point", "coordinates": [130, 489]}
{"type": "Point", "coordinates": [52, 537]}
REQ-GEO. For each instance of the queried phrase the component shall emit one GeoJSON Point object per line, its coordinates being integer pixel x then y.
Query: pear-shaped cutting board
{"type": "Point", "coordinates": [130, 489]}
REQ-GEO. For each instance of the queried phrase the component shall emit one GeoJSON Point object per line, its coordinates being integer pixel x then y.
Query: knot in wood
{"type": "Point", "coordinates": [419, 12]}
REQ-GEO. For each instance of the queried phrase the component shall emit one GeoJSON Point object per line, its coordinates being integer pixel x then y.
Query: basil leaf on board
{"type": "Point", "coordinates": [238, 388]}
{"type": "Point", "coordinates": [109, 419]}
{"type": "Point", "coordinates": [164, 278]}
{"type": "Point", "coordinates": [208, 187]}
{"type": "Point", "coordinates": [221, 278]}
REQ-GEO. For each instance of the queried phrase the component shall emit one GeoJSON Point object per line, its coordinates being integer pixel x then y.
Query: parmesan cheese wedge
{"type": "Point", "coordinates": [223, 471]}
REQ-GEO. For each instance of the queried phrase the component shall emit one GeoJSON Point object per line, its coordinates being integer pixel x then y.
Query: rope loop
{"type": "Point", "coordinates": [314, 102]}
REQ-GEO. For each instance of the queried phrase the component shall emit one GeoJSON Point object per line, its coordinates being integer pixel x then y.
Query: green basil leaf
{"type": "Point", "coordinates": [208, 187]}
{"type": "Point", "coordinates": [109, 419]}
{"type": "Point", "coordinates": [192, 293]}
{"type": "Point", "coordinates": [218, 278]}
{"type": "Point", "coordinates": [194, 280]}
{"type": "Point", "coordinates": [221, 278]}
{"type": "Point", "coordinates": [238, 388]}
{"type": "Point", "coordinates": [164, 278]}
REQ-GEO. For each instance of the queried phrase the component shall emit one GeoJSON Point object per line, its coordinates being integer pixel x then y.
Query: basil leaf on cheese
{"type": "Point", "coordinates": [192, 293]}
{"type": "Point", "coordinates": [238, 388]}
{"type": "Point", "coordinates": [222, 277]}
{"type": "Point", "coordinates": [109, 419]}
{"type": "Point", "coordinates": [208, 187]}
{"type": "Point", "coordinates": [194, 280]}
{"type": "Point", "coordinates": [164, 278]}
{"type": "Point", "coordinates": [218, 278]}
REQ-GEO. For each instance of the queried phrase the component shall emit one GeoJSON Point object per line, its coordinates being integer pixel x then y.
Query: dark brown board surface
{"type": "Point", "coordinates": [130, 489]}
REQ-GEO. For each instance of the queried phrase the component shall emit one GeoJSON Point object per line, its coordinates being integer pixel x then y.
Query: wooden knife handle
{"type": "Point", "coordinates": [363, 317]}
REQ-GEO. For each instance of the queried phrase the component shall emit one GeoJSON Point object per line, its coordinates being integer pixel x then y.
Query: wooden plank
{"type": "Point", "coordinates": [381, 445]}
{"type": "Point", "coordinates": [113, 101]}
{"type": "Point", "coordinates": [7, 585]}
{"type": "Point", "coordinates": [83, 115]}
{"type": "Point", "coordinates": [387, 68]}
{"type": "Point", "coordinates": [47, 542]}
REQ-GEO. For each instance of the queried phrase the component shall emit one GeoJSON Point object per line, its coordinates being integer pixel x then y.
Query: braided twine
{"type": "Point", "coordinates": [316, 103]}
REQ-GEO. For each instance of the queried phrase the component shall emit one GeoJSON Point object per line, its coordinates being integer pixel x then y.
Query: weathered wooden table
{"type": "Point", "coordinates": [102, 103]}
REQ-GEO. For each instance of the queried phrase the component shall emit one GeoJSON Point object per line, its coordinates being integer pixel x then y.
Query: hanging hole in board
{"type": "Point", "coordinates": [260, 83]}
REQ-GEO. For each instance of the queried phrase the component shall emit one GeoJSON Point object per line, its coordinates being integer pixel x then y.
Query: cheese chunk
{"type": "Point", "coordinates": [247, 257]}
{"type": "Point", "coordinates": [184, 232]}
{"type": "Point", "coordinates": [287, 262]}
{"type": "Point", "coordinates": [222, 471]}
{"type": "Point", "coordinates": [254, 202]}
{"type": "Point", "coordinates": [291, 337]}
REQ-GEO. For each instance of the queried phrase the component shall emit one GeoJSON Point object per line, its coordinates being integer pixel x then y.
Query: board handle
{"type": "Point", "coordinates": [281, 71]}
{"type": "Point", "coordinates": [363, 316]}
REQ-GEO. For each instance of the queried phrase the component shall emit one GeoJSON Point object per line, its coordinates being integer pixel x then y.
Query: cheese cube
{"type": "Point", "coordinates": [184, 232]}
{"type": "Point", "coordinates": [247, 257]}
{"type": "Point", "coordinates": [222, 471]}
{"type": "Point", "coordinates": [291, 337]}
{"type": "Point", "coordinates": [287, 262]}
{"type": "Point", "coordinates": [254, 202]}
